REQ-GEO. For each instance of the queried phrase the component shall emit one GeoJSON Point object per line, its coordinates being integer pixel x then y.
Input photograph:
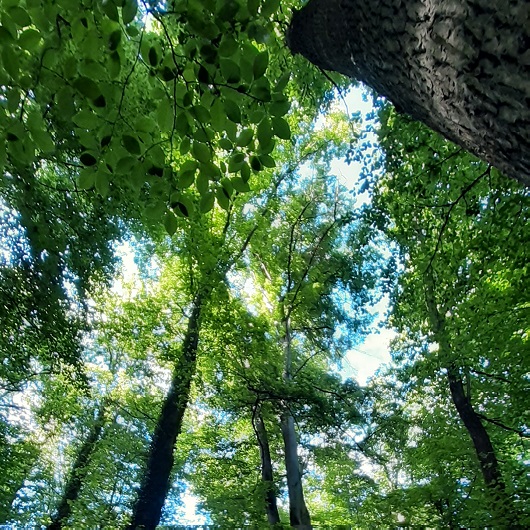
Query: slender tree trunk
{"type": "Point", "coordinates": [459, 66]}
{"type": "Point", "coordinates": [267, 475]}
{"type": "Point", "coordinates": [489, 465]}
{"type": "Point", "coordinates": [78, 473]}
{"type": "Point", "coordinates": [156, 480]}
{"type": "Point", "coordinates": [298, 513]}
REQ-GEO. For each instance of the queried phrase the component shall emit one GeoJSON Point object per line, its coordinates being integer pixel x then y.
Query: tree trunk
{"type": "Point", "coordinates": [156, 480]}
{"type": "Point", "coordinates": [78, 473]}
{"type": "Point", "coordinates": [488, 463]}
{"type": "Point", "coordinates": [459, 66]}
{"type": "Point", "coordinates": [298, 512]}
{"type": "Point", "coordinates": [267, 475]}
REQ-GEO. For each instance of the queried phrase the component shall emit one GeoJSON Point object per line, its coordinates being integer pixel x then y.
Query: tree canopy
{"type": "Point", "coordinates": [184, 276]}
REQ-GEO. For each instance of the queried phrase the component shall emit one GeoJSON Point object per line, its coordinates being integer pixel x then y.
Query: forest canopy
{"type": "Point", "coordinates": [184, 276]}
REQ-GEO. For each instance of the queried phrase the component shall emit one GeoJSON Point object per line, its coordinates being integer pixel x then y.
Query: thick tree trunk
{"type": "Point", "coordinates": [156, 480]}
{"type": "Point", "coordinates": [460, 66]}
{"type": "Point", "coordinates": [298, 512]}
{"type": "Point", "coordinates": [267, 475]}
{"type": "Point", "coordinates": [487, 459]}
{"type": "Point", "coordinates": [78, 473]}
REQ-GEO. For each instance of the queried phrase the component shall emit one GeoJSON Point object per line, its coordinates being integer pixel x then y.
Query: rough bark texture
{"type": "Point", "coordinates": [489, 465]}
{"type": "Point", "coordinates": [267, 475]}
{"type": "Point", "coordinates": [460, 66]}
{"type": "Point", "coordinates": [156, 481]}
{"type": "Point", "coordinates": [78, 474]}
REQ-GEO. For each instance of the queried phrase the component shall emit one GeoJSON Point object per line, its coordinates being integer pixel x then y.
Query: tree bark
{"type": "Point", "coordinates": [156, 480]}
{"type": "Point", "coordinates": [298, 513]}
{"type": "Point", "coordinates": [487, 459]}
{"type": "Point", "coordinates": [78, 473]}
{"type": "Point", "coordinates": [267, 475]}
{"type": "Point", "coordinates": [460, 66]}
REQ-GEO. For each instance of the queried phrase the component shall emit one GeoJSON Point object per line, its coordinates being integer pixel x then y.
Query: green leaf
{"type": "Point", "coordinates": [281, 128]}
{"type": "Point", "coordinates": [269, 7]}
{"type": "Point", "coordinates": [245, 172]}
{"type": "Point", "coordinates": [226, 144]}
{"type": "Point", "coordinates": [261, 62]}
{"type": "Point", "coordinates": [110, 9]}
{"type": "Point", "coordinates": [222, 199]}
{"type": "Point", "coordinates": [228, 46]}
{"type": "Point", "coordinates": [19, 16]}
{"type": "Point", "coordinates": [165, 116]}
{"type": "Point", "coordinates": [132, 144]}
{"type": "Point", "coordinates": [87, 87]}
{"type": "Point", "coordinates": [153, 56]}
{"type": "Point", "coordinates": [252, 6]}
{"type": "Point", "coordinates": [182, 123]}
{"type": "Point", "coordinates": [245, 137]}
{"type": "Point", "coordinates": [10, 60]}
{"type": "Point", "coordinates": [230, 71]}
{"type": "Point", "coordinates": [226, 183]}
{"type": "Point", "coordinates": [201, 152]}
{"type": "Point", "coordinates": [207, 202]}
{"type": "Point", "coordinates": [185, 146]}
{"type": "Point", "coordinates": [267, 161]}
{"type": "Point", "coordinates": [155, 210]}
{"type": "Point", "coordinates": [86, 179]}
{"type": "Point", "coordinates": [102, 183]}
{"type": "Point", "coordinates": [43, 141]}
{"type": "Point", "coordinates": [279, 108]}
{"type": "Point", "coordinates": [233, 111]}
{"type": "Point", "coordinates": [170, 223]}
{"type": "Point", "coordinates": [262, 89]}
{"type": "Point", "coordinates": [240, 185]}
{"type": "Point", "coordinates": [235, 162]}
{"type": "Point", "coordinates": [186, 174]}
{"type": "Point", "coordinates": [203, 182]}
{"type": "Point", "coordinates": [282, 82]}
{"type": "Point", "coordinates": [129, 10]}
{"type": "Point", "coordinates": [30, 40]}
{"type": "Point", "coordinates": [183, 207]}
{"type": "Point", "coordinates": [264, 131]}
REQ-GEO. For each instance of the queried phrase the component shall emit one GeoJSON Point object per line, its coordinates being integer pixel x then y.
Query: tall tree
{"type": "Point", "coordinates": [452, 233]}
{"type": "Point", "coordinates": [300, 266]}
{"type": "Point", "coordinates": [78, 473]}
{"type": "Point", "coordinates": [461, 68]}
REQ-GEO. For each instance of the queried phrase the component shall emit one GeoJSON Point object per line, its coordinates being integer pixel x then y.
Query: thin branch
{"type": "Point", "coordinates": [465, 190]}
{"type": "Point", "coordinates": [503, 426]}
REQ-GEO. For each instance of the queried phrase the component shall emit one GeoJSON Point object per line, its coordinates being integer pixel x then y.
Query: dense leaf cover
{"type": "Point", "coordinates": [183, 136]}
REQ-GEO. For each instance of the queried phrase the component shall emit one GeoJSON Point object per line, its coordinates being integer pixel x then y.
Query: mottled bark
{"type": "Point", "coordinates": [460, 66]}
{"type": "Point", "coordinates": [156, 480]}
{"type": "Point", "coordinates": [487, 459]}
{"type": "Point", "coordinates": [78, 473]}
{"type": "Point", "coordinates": [267, 475]}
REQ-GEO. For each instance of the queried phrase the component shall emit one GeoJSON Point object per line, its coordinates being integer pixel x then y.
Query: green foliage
{"type": "Point", "coordinates": [462, 234]}
{"type": "Point", "coordinates": [128, 94]}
